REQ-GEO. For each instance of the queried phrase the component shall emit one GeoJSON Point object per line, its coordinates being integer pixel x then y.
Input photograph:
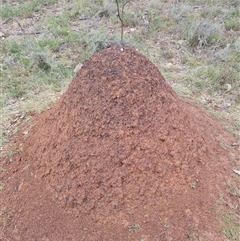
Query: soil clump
{"type": "Point", "coordinates": [119, 157]}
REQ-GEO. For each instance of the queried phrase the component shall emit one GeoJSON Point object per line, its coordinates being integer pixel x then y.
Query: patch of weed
{"type": "Point", "coordinates": [2, 186]}
{"type": "Point", "coordinates": [5, 216]}
{"type": "Point", "coordinates": [232, 228]}
{"type": "Point", "coordinates": [59, 25]}
{"type": "Point", "coordinates": [232, 24]}
{"type": "Point", "coordinates": [203, 33]}
{"type": "Point", "coordinates": [33, 68]}
{"type": "Point", "coordinates": [88, 8]}
{"type": "Point", "coordinates": [129, 20]}
{"type": "Point", "coordinates": [190, 60]}
{"type": "Point", "coordinates": [179, 12]}
{"type": "Point", "coordinates": [23, 8]}
{"type": "Point", "coordinates": [134, 228]}
{"type": "Point", "coordinates": [215, 78]}
{"type": "Point", "coordinates": [155, 24]}
{"type": "Point", "coordinates": [52, 43]}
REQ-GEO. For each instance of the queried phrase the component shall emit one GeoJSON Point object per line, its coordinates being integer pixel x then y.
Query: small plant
{"type": "Point", "coordinates": [193, 185]}
{"type": "Point", "coordinates": [232, 24]}
{"type": "Point", "coordinates": [231, 229]}
{"type": "Point", "coordinates": [203, 33]}
{"type": "Point", "coordinates": [2, 186]}
{"type": "Point", "coordinates": [178, 13]}
{"type": "Point", "coordinates": [120, 16]}
{"type": "Point", "coordinates": [5, 216]}
{"type": "Point", "coordinates": [42, 62]}
{"type": "Point", "coordinates": [25, 9]}
{"type": "Point", "coordinates": [103, 13]}
{"type": "Point", "coordinates": [165, 225]}
{"type": "Point", "coordinates": [134, 228]}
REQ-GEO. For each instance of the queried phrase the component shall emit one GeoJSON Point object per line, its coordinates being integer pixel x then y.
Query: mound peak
{"type": "Point", "coordinates": [121, 148]}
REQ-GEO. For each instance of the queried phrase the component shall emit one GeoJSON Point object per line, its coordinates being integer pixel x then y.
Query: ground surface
{"type": "Point", "coordinates": [195, 45]}
{"type": "Point", "coordinates": [120, 157]}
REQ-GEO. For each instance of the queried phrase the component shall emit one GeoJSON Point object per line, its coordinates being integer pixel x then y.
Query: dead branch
{"type": "Point", "coordinates": [20, 26]}
{"type": "Point", "coordinates": [83, 18]}
{"type": "Point", "coordinates": [23, 33]}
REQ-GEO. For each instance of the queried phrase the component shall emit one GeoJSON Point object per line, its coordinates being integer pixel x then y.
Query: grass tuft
{"type": "Point", "coordinates": [203, 33]}
{"type": "Point", "coordinates": [23, 8]}
{"type": "Point", "coordinates": [232, 228]}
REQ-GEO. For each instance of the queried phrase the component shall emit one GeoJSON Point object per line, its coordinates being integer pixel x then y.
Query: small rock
{"type": "Point", "coordinates": [229, 87]}
{"type": "Point", "coordinates": [25, 133]}
{"type": "Point", "coordinates": [78, 67]}
{"type": "Point", "coordinates": [226, 105]}
{"type": "Point", "coordinates": [2, 35]}
{"type": "Point", "coordinates": [180, 42]}
{"type": "Point", "coordinates": [236, 171]}
{"type": "Point", "coordinates": [169, 65]}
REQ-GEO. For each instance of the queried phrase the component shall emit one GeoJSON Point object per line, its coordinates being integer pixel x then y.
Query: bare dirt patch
{"type": "Point", "coordinates": [119, 157]}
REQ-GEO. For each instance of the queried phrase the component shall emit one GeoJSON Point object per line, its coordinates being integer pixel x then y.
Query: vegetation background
{"type": "Point", "coordinates": [194, 43]}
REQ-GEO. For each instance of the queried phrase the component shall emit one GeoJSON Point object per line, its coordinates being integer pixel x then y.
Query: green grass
{"type": "Point", "coordinates": [232, 227]}
{"type": "Point", "coordinates": [230, 218]}
{"type": "Point", "coordinates": [134, 228]}
{"type": "Point", "coordinates": [29, 68]}
{"type": "Point", "coordinates": [214, 79]}
{"type": "Point", "coordinates": [12, 9]}
{"type": "Point", "coordinates": [5, 216]}
{"type": "Point", "coordinates": [2, 186]}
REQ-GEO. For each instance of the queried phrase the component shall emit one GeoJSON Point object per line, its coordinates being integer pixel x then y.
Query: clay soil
{"type": "Point", "coordinates": [119, 157]}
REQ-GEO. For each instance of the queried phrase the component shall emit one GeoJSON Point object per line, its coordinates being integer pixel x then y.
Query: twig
{"type": "Point", "coordinates": [124, 6]}
{"type": "Point", "coordinates": [83, 18]}
{"type": "Point", "coordinates": [235, 194]}
{"type": "Point", "coordinates": [162, 233]}
{"type": "Point", "coordinates": [120, 16]}
{"type": "Point", "coordinates": [5, 21]}
{"type": "Point", "coordinates": [24, 33]}
{"type": "Point", "coordinates": [76, 30]}
{"type": "Point", "coordinates": [2, 235]}
{"type": "Point", "coordinates": [198, 6]}
{"type": "Point", "coordinates": [19, 25]}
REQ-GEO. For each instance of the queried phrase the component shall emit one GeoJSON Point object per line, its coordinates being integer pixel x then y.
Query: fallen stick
{"type": "Point", "coordinates": [24, 33]}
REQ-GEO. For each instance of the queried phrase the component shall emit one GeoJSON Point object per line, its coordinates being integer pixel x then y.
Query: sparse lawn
{"type": "Point", "coordinates": [195, 44]}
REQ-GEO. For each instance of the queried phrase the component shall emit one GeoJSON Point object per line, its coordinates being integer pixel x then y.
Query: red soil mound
{"type": "Point", "coordinates": [119, 157]}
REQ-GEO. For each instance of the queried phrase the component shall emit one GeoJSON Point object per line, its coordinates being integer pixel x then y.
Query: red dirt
{"type": "Point", "coordinates": [118, 157]}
